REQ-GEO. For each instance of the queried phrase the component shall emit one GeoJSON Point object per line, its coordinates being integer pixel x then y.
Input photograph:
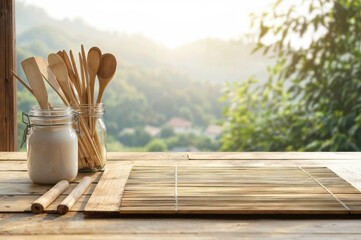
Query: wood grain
{"type": "Point", "coordinates": [35, 189]}
{"type": "Point", "coordinates": [275, 155]}
{"type": "Point", "coordinates": [146, 156]}
{"type": "Point", "coordinates": [188, 236]}
{"type": "Point", "coordinates": [343, 167]}
{"type": "Point", "coordinates": [22, 203]}
{"type": "Point", "coordinates": [12, 155]}
{"type": "Point", "coordinates": [113, 181]}
{"type": "Point", "coordinates": [74, 196]}
{"type": "Point", "coordinates": [301, 158]}
{"type": "Point", "coordinates": [22, 177]}
{"type": "Point", "coordinates": [8, 100]}
{"type": "Point", "coordinates": [36, 81]}
{"type": "Point", "coordinates": [75, 226]}
{"type": "Point", "coordinates": [150, 189]}
{"type": "Point", "coordinates": [228, 190]}
{"type": "Point", "coordinates": [75, 223]}
{"type": "Point", "coordinates": [40, 204]}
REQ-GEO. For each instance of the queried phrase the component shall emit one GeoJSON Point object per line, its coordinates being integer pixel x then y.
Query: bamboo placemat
{"type": "Point", "coordinates": [222, 190]}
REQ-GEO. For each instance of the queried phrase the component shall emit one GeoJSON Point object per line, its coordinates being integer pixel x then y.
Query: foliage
{"type": "Point", "coordinates": [137, 138]}
{"type": "Point", "coordinates": [166, 132]}
{"type": "Point", "coordinates": [203, 143]}
{"type": "Point", "coordinates": [311, 101]}
{"type": "Point", "coordinates": [185, 113]}
{"type": "Point", "coordinates": [136, 96]}
{"type": "Point", "coordinates": [156, 145]}
{"type": "Point", "coordinates": [152, 83]}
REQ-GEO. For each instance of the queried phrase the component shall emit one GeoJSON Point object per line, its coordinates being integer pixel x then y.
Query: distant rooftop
{"type": "Point", "coordinates": [153, 131]}
{"type": "Point", "coordinates": [127, 131]}
{"type": "Point", "coordinates": [213, 130]}
{"type": "Point", "coordinates": [179, 122]}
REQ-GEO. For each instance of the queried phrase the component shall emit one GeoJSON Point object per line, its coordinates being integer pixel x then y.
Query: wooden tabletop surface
{"type": "Point", "coordinates": [17, 192]}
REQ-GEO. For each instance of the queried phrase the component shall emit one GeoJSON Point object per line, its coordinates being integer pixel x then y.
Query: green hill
{"type": "Point", "coordinates": [153, 83]}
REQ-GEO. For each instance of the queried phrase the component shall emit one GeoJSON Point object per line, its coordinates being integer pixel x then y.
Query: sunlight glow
{"type": "Point", "coordinates": [172, 23]}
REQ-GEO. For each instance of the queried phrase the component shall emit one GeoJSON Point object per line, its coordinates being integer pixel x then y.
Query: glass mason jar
{"type": "Point", "coordinates": [92, 141]}
{"type": "Point", "coordinates": [52, 147]}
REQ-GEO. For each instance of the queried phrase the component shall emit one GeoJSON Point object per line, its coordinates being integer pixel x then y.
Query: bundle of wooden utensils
{"type": "Point", "coordinates": [76, 89]}
{"type": "Point", "coordinates": [44, 201]}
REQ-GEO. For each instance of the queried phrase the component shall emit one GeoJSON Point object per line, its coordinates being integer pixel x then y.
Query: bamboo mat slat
{"type": "Point", "coordinates": [228, 190]}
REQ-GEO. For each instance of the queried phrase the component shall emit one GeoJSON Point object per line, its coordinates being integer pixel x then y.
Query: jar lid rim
{"type": "Point", "coordinates": [89, 105]}
{"type": "Point", "coordinates": [54, 108]}
{"type": "Point", "coordinates": [59, 110]}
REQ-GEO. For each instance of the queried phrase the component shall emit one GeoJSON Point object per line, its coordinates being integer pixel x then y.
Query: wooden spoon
{"type": "Point", "coordinates": [36, 81]}
{"type": "Point", "coordinates": [61, 54]}
{"type": "Point", "coordinates": [107, 68]}
{"type": "Point", "coordinates": [60, 71]}
{"type": "Point", "coordinates": [93, 60]}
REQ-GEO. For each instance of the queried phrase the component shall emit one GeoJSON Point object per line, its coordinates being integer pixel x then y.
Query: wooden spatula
{"type": "Point", "coordinates": [60, 71]}
{"type": "Point", "coordinates": [50, 78]}
{"type": "Point", "coordinates": [36, 81]}
{"type": "Point", "coordinates": [26, 86]}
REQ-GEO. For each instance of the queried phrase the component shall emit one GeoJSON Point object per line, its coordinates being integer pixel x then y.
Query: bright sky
{"type": "Point", "coordinates": [171, 22]}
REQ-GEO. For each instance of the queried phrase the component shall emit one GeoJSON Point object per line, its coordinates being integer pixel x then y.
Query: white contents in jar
{"type": "Point", "coordinates": [52, 154]}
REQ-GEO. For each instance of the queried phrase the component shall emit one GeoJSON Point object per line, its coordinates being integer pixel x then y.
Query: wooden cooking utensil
{"type": "Point", "coordinates": [71, 83]}
{"type": "Point", "coordinates": [27, 86]}
{"type": "Point", "coordinates": [50, 78]}
{"type": "Point", "coordinates": [60, 71]}
{"type": "Point", "coordinates": [22, 82]}
{"type": "Point", "coordinates": [86, 73]}
{"type": "Point", "coordinates": [93, 60]}
{"type": "Point", "coordinates": [80, 92]}
{"type": "Point", "coordinates": [83, 80]}
{"type": "Point", "coordinates": [61, 54]}
{"type": "Point", "coordinates": [105, 73]}
{"type": "Point", "coordinates": [36, 81]}
{"type": "Point", "coordinates": [71, 71]}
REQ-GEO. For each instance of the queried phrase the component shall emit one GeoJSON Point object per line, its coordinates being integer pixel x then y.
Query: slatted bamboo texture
{"type": "Point", "coordinates": [230, 190]}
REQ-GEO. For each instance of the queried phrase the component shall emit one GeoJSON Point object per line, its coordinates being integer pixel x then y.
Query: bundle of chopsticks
{"type": "Point", "coordinates": [76, 89]}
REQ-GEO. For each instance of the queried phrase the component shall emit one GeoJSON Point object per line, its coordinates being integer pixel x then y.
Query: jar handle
{"type": "Point", "coordinates": [76, 115]}
{"type": "Point", "coordinates": [27, 128]}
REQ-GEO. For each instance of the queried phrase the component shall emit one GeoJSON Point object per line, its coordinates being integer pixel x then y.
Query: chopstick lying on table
{"type": "Point", "coordinates": [71, 199]}
{"type": "Point", "coordinates": [44, 201]}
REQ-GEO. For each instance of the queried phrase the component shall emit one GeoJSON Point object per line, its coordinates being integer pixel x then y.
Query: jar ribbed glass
{"type": "Point", "coordinates": [52, 146]}
{"type": "Point", "coordinates": [92, 141]}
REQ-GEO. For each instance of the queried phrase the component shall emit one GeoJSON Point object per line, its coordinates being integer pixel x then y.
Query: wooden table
{"type": "Point", "coordinates": [17, 193]}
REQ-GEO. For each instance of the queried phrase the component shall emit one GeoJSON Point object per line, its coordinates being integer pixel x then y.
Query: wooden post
{"type": "Point", "coordinates": [8, 103]}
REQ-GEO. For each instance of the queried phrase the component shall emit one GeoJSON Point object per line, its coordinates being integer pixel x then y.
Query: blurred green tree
{"type": "Point", "coordinates": [186, 114]}
{"type": "Point", "coordinates": [166, 132]}
{"type": "Point", "coordinates": [138, 138]}
{"type": "Point", "coordinates": [312, 100]}
{"type": "Point", "coordinates": [156, 145]}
